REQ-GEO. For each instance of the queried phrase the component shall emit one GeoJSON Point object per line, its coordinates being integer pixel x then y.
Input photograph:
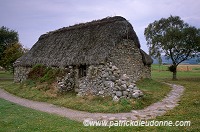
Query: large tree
{"type": "Point", "coordinates": [10, 48]}
{"type": "Point", "coordinates": [173, 38]}
{"type": "Point", "coordinates": [7, 38]}
{"type": "Point", "coordinates": [11, 54]}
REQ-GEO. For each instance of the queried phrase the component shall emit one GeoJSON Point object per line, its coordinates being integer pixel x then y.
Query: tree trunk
{"type": "Point", "coordinates": [174, 73]}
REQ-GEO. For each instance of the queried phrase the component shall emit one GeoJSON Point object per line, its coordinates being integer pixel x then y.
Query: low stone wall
{"type": "Point", "coordinates": [67, 83]}
{"type": "Point", "coordinates": [101, 80]}
{"type": "Point", "coordinates": [21, 73]}
{"type": "Point", "coordinates": [107, 80]}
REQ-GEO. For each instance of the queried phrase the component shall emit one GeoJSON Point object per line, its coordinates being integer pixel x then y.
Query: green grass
{"type": "Point", "coordinates": [153, 90]}
{"type": "Point", "coordinates": [18, 118]}
{"type": "Point", "coordinates": [188, 109]}
{"type": "Point", "coordinates": [189, 104]}
{"type": "Point", "coordinates": [5, 75]}
{"type": "Point", "coordinates": [190, 101]}
{"type": "Point", "coordinates": [15, 118]}
{"type": "Point", "coordinates": [157, 67]}
{"type": "Point", "coordinates": [166, 75]}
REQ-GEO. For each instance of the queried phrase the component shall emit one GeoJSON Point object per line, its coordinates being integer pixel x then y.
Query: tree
{"type": "Point", "coordinates": [159, 61]}
{"type": "Point", "coordinates": [11, 54]}
{"type": "Point", "coordinates": [10, 48]}
{"type": "Point", "coordinates": [7, 38]}
{"type": "Point", "coordinates": [174, 38]}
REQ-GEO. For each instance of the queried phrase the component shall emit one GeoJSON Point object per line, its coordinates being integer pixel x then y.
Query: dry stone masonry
{"type": "Point", "coordinates": [102, 57]}
{"type": "Point", "coordinates": [102, 80]}
{"type": "Point", "coordinates": [67, 83]}
{"type": "Point", "coordinates": [21, 73]}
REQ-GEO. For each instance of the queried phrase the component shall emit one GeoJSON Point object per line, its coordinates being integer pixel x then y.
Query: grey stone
{"type": "Point", "coordinates": [124, 77]}
{"type": "Point", "coordinates": [107, 78]}
{"type": "Point", "coordinates": [118, 93]}
{"type": "Point", "coordinates": [109, 84]}
{"type": "Point", "coordinates": [105, 75]}
{"type": "Point", "coordinates": [116, 72]}
{"type": "Point", "coordinates": [114, 68]}
{"type": "Point", "coordinates": [131, 86]}
{"type": "Point", "coordinates": [124, 118]}
{"type": "Point", "coordinates": [108, 69]}
{"type": "Point", "coordinates": [113, 78]}
{"type": "Point", "coordinates": [119, 82]}
{"type": "Point", "coordinates": [141, 94]}
{"type": "Point", "coordinates": [135, 88]}
{"type": "Point", "coordinates": [135, 95]}
{"type": "Point", "coordinates": [82, 86]}
{"type": "Point", "coordinates": [125, 93]}
{"type": "Point", "coordinates": [77, 90]}
{"type": "Point", "coordinates": [123, 87]}
{"type": "Point", "coordinates": [117, 88]}
{"type": "Point", "coordinates": [115, 99]}
{"type": "Point", "coordinates": [101, 92]}
{"type": "Point", "coordinates": [114, 89]}
{"type": "Point", "coordinates": [112, 118]}
{"type": "Point", "coordinates": [123, 82]}
{"type": "Point", "coordinates": [116, 75]}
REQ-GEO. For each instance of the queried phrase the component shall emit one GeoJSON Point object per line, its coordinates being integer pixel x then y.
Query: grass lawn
{"type": "Point", "coordinates": [18, 118]}
{"type": "Point", "coordinates": [5, 75]}
{"type": "Point", "coordinates": [14, 116]}
{"type": "Point", "coordinates": [190, 101]}
{"type": "Point", "coordinates": [153, 92]}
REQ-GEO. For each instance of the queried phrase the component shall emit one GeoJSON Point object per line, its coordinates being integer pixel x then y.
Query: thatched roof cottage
{"type": "Point", "coordinates": [105, 42]}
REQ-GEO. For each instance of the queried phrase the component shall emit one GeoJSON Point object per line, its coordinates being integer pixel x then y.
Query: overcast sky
{"type": "Point", "coordinates": [32, 18]}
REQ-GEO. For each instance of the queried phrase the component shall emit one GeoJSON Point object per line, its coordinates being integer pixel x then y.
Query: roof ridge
{"type": "Point", "coordinates": [87, 24]}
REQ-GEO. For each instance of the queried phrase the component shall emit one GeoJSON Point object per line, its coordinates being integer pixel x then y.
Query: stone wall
{"type": "Point", "coordinates": [146, 72]}
{"type": "Point", "coordinates": [68, 82]}
{"type": "Point", "coordinates": [21, 73]}
{"type": "Point", "coordinates": [127, 57]}
{"type": "Point", "coordinates": [116, 77]}
{"type": "Point", "coordinates": [101, 80]}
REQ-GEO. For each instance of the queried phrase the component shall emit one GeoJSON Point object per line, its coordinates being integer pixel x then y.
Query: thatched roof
{"type": "Point", "coordinates": [87, 43]}
{"type": "Point", "coordinates": [147, 60]}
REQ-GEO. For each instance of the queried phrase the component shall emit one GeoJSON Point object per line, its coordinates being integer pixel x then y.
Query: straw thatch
{"type": "Point", "coordinates": [147, 60]}
{"type": "Point", "coordinates": [88, 43]}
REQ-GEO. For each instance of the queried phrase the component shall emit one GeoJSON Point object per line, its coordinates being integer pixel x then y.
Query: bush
{"type": "Point", "coordinates": [51, 75]}
{"type": "Point", "coordinates": [38, 71]}
{"type": "Point", "coordinates": [172, 68]}
{"type": "Point", "coordinates": [42, 73]}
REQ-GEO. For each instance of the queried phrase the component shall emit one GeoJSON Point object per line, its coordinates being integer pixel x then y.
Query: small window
{"type": "Point", "coordinates": [82, 71]}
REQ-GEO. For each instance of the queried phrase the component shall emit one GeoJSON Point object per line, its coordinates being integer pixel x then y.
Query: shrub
{"type": "Point", "coordinates": [172, 68]}
{"type": "Point", "coordinates": [38, 71]}
{"type": "Point", "coordinates": [51, 75]}
{"type": "Point", "coordinates": [42, 73]}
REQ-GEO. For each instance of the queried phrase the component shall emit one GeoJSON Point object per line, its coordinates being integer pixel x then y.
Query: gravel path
{"type": "Point", "coordinates": [156, 109]}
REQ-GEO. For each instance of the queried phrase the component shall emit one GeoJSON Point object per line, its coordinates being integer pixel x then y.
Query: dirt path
{"type": "Point", "coordinates": [156, 109]}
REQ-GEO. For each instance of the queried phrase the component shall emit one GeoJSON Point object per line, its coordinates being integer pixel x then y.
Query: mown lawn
{"type": "Point", "coordinates": [153, 92]}
{"type": "Point", "coordinates": [190, 101]}
{"type": "Point", "coordinates": [14, 116]}
{"type": "Point", "coordinates": [5, 75]}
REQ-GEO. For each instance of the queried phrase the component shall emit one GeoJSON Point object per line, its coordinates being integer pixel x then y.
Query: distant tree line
{"type": "Point", "coordinates": [10, 47]}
